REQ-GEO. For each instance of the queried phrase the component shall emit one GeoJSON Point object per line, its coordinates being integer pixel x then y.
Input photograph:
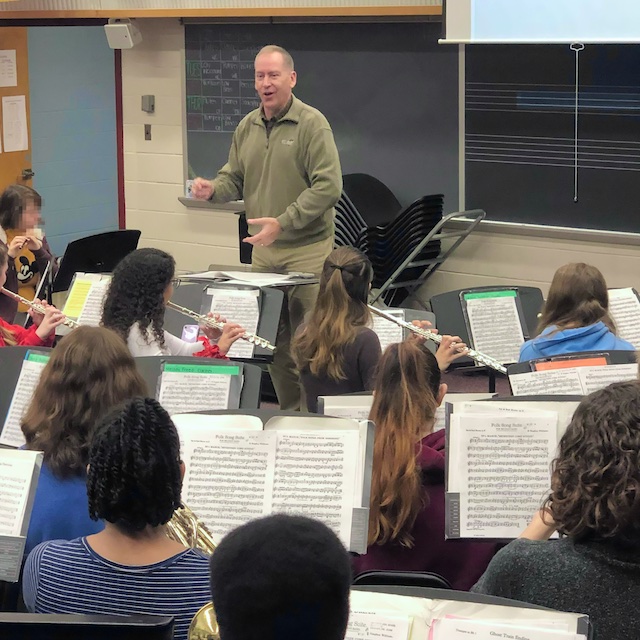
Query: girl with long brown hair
{"type": "Point", "coordinates": [575, 316]}
{"type": "Point", "coordinates": [407, 511]}
{"type": "Point", "coordinates": [336, 351]}
{"type": "Point", "coordinates": [41, 333]}
{"type": "Point", "coordinates": [89, 373]}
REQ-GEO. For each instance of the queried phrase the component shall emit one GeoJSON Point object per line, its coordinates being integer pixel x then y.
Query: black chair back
{"type": "Point", "coordinates": [402, 578]}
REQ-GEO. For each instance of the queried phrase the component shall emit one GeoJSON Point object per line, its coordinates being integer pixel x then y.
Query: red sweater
{"type": "Point", "coordinates": [461, 562]}
{"type": "Point", "coordinates": [24, 337]}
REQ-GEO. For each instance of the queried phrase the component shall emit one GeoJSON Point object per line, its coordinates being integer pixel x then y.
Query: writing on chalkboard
{"type": "Point", "coordinates": [220, 84]}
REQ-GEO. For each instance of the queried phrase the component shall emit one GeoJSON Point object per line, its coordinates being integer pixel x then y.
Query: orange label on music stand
{"type": "Point", "coordinates": [600, 361]}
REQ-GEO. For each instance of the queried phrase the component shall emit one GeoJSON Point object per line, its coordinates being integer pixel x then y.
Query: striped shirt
{"type": "Point", "coordinates": [68, 576]}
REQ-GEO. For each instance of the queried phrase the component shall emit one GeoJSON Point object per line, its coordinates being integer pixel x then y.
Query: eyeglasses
{"type": "Point", "coordinates": [175, 283]}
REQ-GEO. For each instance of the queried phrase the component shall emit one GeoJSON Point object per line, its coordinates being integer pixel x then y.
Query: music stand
{"type": "Point", "coordinates": [99, 253]}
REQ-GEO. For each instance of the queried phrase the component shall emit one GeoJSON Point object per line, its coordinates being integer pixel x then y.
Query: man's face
{"type": "Point", "coordinates": [274, 82]}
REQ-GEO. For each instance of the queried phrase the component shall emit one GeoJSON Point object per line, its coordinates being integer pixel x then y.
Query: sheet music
{"type": "Point", "coordinates": [229, 477]}
{"type": "Point", "coordinates": [365, 625]}
{"type": "Point", "coordinates": [185, 388]}
{"type": "Point", "coordinates": [551, 382]}
{"type": "Point", "coordinates": [91, 313]}
{"type": "Point", "coordinates": [260, 279]}
{"type": "Point", "coordinates": [388, 332]}
{"type": "Point", "coordinates": [80, 289]}
{"type": "Point", "coordinates": [32, 368]}
{"type": "Point", "coordinates": [352, 407]}
{"type": "Point", "coordinates": [466, 629]}
{"type": "Point", "coordinates": [495, 325]}
{"type": "Point", "coordinates": [501, 469]}
{"type": "Point", "coordinates": [624, 308]}
{"type": "Point", "coordinates": [16, 473]}
{"type": "Point", "coordinates": [242, 307]}
{"type": "Point", "coordinates": [315, 473]}
{"type": "Point", "coordinates": [595, 378]}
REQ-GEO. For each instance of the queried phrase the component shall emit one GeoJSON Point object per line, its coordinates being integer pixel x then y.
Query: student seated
{"type": "Point", "coordinates": [575, 316]}
{"type": "Point", "coordinates": [134, 307]}
{"type": "Point", "coordinates": [41, 333]}
{"type": "Point", "coordinates": [594, 568]}
{"type": "Point", "coordinates": [89, 373]}
{"type": "Point", "coordinates": [281, 578]}
{"type": "Point", "coordinates": [336, 351]}
{"type": "Point", "coordinates": [131, 567]}
{"type": "Point", "coordinates": [28, 249]}
{"type": "Point", "coordinates": [407, 510]}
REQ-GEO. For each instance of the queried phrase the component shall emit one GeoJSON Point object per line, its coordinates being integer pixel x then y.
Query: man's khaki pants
{"type": "Point", "coordinates": [299, 301]}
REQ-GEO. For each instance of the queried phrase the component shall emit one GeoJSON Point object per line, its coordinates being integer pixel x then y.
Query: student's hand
{"type": "Point", "coordinates": [541, 526]}
{"type": "Point", "coordinates": [35, 316]}
{"type": "Point", "coordinates": [16, 246]}
{"type": "Point", "coordinates": [33, 243]}
{"type": "Point", "coordinates": [271, 229]}
{"type": "Point", "coordinates": [211, 332]}
{"type": "Point", "coordinates": [202, 189]}
{"type": "Point", "coordinates": [230, 334]}
{"type": "Point", "coordinates": [52, 318]}
{"type": "Point", "coordinates": [451, 348]}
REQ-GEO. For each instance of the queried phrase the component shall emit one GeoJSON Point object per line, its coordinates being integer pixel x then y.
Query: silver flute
{"type": "Point", "coordinates": [481, 358]}
{"type": "Point", "coordinates": [68, 322]}
{"type": "Point", "coordinates": [216, 324]}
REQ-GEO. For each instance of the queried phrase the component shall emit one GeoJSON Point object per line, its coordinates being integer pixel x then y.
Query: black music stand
{"type": "Point", "coordinates": [151, 367]}
{"type": "Point", "coordinates": [12, 359]}
{"type": "Point", "coordinates": [189, 294]}
{"type": "Point", "coordinates": [95, 254]}
{"type": "Point", "coordinates": [613, 357]}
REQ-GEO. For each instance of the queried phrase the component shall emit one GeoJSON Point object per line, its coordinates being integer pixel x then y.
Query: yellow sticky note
{"type": "Point", "coordinates": [77, 298]}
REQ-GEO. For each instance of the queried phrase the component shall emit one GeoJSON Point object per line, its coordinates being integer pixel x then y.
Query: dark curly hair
{"type": "Point", "coordinates": [595, 484]}
{"type": "Point", "coordinates": [136, 293]}
{"type": "Point", "coordinates": [134, 478]}
{"type": "Point", "coordinates": [282, 577]}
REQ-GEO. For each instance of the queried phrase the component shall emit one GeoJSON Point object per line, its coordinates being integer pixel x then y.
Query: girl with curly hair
{"type": "Point", "coordinates": [134, 307]}
{"type": "Point", "coordinates": [28, 249]}
{"type": "Point", "coordinates": [89, 373]}
{"type": "Point", "coordinates": [575, 316]}
{"type": "Point", "coordinates": [132, 566]}
{"type": "Point", "coordinates": [594, 504]}
{"type": "Point", "coordinates": [41, 333]}
{"type": "Point", "coordinates": [335, 350]}
{"type": "Point", "coordinates": [407, 510]}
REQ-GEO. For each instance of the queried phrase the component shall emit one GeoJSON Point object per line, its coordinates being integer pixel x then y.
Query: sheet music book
{"type": "Point", "coordinates": [358, 407]}
{"type": "Point", "coordinates": [366, 625]}
{"type": "Point", "coordinates": [199, 387]}
{"type": "Point", "coordinates": [465, 629]}
{"type": "Point", "coordinates": [499, 465]}
{"type": "Point", "coordinates": [624, 307]}
{"type": "Point", "coordinates": [32, 368]}
{"type": "Point", "coordinates": [388, 332]}
{"type": "Point", "coordinates": [426, 614]}
{"type": "Point", "coordinates": [19, 472]}
{"type": "Point", "coordinates": [238, 469]}
{"type": "Point", "coordinates": [86, 298]}
{"type": "Point", "coordinates": [570, 381]}
{"type": "Point", "coordinates": [494, 323]}
{"type": "Point", "coordinates": [241, 306]}
{"type": "Point", "coordinates": [257, 278]}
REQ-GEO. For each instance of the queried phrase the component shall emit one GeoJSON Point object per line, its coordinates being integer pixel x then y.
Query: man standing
{"type": "Point", "coordinates": [284, 163]}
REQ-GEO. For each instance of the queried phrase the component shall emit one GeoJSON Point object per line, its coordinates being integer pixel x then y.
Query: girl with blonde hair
{"type": "Point", "coordinates": [407, 510]}
{"type": "Point", "coordinates": [575, 317]}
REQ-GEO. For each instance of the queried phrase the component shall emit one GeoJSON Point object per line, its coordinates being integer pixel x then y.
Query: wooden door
{"type": "Point", "coordinates": [15, 166]}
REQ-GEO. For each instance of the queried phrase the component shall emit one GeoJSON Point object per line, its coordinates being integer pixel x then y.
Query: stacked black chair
{"type": "Point", "coordinates": [370, 218]}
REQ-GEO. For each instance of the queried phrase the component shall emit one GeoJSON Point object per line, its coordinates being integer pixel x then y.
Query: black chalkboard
{"type": "Point", "coordinates": [519, 143]}
{"type": "Point", "coordinates": [389, 91]}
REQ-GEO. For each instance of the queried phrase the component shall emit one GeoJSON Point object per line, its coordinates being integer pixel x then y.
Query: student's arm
{"type": "Point", "coordinates": [31, 576]}
{"type": "Point", "coordinates": [27, 337]}
{"type": "Point", "coordinates": [369, 353]}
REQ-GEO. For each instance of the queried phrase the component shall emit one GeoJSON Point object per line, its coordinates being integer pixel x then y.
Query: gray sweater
{"type": "Point", "coordinates": [589, 577]}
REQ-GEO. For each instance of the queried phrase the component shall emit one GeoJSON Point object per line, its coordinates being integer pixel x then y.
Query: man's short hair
{"type": "Point", "coordinates": [281, 578]}
{"type": "Point", "coordinates": [274, 48]}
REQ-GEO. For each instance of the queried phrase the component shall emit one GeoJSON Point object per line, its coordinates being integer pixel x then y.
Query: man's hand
{"type": "Point", "coordinates": [202, 189]}
{"type": "Point", "coordinates": [271, 229]}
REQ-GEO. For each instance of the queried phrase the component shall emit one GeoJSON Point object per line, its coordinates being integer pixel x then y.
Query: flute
{"type": "Point", "coordinates": [68, 322]}
{"type": "Point", "coordinates": [481, 358]}
{"type": "Point", "coordinates": [215, 324]}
